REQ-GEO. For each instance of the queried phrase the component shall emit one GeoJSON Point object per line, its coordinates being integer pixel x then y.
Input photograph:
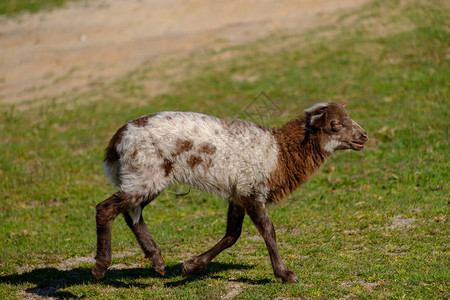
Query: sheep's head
{"type": "Point", "coordinates": [335, 129]}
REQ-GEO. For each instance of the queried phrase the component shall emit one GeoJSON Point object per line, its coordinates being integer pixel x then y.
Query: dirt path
{"type": "Point", "coordinates": [72, 49]}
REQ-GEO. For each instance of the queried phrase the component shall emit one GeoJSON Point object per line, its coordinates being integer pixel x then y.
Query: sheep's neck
{"type": "Point", "coordinates": [300, 155]}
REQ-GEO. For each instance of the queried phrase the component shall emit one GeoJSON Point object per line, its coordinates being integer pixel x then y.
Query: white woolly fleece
{"type": "Point", "coordinates": [238, 162]}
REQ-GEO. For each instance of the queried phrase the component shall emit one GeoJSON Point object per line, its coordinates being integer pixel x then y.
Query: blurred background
{"type": "Point", "coordinates": [77, 45]}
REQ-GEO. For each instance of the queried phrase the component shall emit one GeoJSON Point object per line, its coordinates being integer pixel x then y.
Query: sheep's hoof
{"type": "Point", "coordinates": [287, 277]}
{"type": "Point", "coordinates": [185, 269]}
{"type": "Point", "coordinates": [290, 277]}
{"type": "Point", "coordinates": [98, 273]}
{"type": "Point", "coordinates": [188, 267]}
{"type": "Point", "coordinates": [197, 263]}
{"type": "Point", "coordinates": [158, 264]}
{"type": "Point", "coordinates": [160, 271]}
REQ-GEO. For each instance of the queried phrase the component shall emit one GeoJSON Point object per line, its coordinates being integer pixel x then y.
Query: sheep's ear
{"type": "Point", "coordinates": [316, 114]}
{"type": "Point", "coordinates": [318, 120]}
{"type": "Point", "coordinates": [343, 102]}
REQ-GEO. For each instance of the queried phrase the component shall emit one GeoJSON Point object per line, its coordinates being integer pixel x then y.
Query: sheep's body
{"type": "Point", "coordinates": [243, 162]}
{"type": "Point", "coordinates": [228, 158]}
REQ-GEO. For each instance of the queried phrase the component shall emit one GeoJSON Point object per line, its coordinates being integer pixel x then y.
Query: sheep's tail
{"type": "Point", "coordinates": [111, 171]}
{"type": "Point", "coordinates": [111, 163]}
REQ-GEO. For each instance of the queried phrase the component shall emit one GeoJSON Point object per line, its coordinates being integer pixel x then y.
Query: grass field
{"type": "Point", "coordinates": [14, 7]}
{"type": "Point", "coordinates": [372, 224]}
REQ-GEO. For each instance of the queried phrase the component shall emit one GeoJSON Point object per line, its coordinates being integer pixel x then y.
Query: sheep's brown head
{"type": "Point", "coordinates": [335, 129]}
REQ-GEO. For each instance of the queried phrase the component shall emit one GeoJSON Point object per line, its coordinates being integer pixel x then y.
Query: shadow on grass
{"type": "Point", "coordinates": [208, 275]}
{"type": "Point", "coordinates": [49, 282]}
{"type": "Point", "coordinates": [210, 272]}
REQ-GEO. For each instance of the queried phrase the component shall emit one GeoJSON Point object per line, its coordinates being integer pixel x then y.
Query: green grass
{"type": "Point", "coordinates": [14, 7]}
{"type": "Point", "coordinates": [372, 224]}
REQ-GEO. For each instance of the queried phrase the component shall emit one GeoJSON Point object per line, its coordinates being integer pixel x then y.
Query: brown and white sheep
{"type": "Point", "coordinates": [247, 164]}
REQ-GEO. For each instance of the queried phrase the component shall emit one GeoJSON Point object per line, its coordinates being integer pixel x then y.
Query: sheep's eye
{"type": "Point", "coordinates": [336, 125]}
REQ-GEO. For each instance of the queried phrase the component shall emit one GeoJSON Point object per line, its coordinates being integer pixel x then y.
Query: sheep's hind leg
{"type": "Point", "coordinates": [235, 218]}
{"type": "Point", "coordinates": [107, 211]}
{"type": "Point", "coordinates": [150, 248]}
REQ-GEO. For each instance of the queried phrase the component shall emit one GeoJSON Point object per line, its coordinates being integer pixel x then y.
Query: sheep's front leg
{"type": "Point", "coordinates": [258, 214]}
{"type": "Point", "coordinates": [235, 218]}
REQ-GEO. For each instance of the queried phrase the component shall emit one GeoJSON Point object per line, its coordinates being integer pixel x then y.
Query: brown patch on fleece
{"type": "Point", "coordinates": [135, 152]}
{"type": "Point", "coordinates": [209, 163]}
{"type": "Point", "coordinates": [207, 149]}
{"type": "Point", "coordinates": [183, 146]}
{"type": "Point", "coordinates": [300, 154]}
{"type": "Point", "coordinates": [111, 153]}
{"type": "Point", "coordinates": [142, 121]}
{"type": "Point", "coordinates": [194, 160]}
{"type": "Point", "coordinates": [167, 166]}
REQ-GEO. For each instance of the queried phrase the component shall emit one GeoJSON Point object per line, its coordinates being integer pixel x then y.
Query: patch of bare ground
{"type": "Point", "coordinates": [400, 222]}
{"type": "Point", "coordinates": [366, 284]}
{"type": "Point", "coordinates": [66, 265]}
{"type": "Point", "coordinates": [70, 263]}
{"type": "Point", "coordinates": [88, 45]}
{"type": "Point", "coordinates": [233, 290]}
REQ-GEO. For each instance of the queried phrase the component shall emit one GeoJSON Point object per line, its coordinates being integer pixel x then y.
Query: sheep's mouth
{"type": "Point", "coordinates": [357, 145]}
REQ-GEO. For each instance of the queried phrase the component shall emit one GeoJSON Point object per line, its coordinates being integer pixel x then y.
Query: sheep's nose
{"type": "Point", "coordinates": [364, 137]}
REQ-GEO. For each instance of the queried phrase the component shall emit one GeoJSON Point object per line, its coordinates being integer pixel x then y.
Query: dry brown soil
{"type": "Point", "coordinates": [74, 48]}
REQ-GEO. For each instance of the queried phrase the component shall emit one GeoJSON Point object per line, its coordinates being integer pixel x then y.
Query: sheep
{"type": "Point", "coordinates": [247, 164]}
